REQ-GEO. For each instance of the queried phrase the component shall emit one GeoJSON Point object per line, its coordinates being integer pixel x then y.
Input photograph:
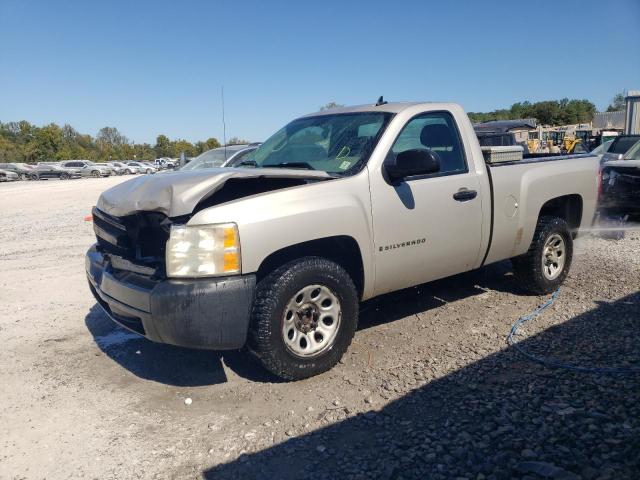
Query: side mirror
{"type": "Point", "coordinates": [411, 162]}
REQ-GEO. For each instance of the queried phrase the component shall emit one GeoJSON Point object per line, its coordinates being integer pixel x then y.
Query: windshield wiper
{"type": "Point", "coordinates": [248, 162]}
{"type": "Point", "coordinates": [304, 165]}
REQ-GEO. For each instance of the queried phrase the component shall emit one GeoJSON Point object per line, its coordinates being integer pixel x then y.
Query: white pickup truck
{"type": "Point", "coordinates": [335, 208]}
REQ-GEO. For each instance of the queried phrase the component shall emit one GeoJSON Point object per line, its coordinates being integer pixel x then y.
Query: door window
{"type": "Point", "coordinates": [437, 132]}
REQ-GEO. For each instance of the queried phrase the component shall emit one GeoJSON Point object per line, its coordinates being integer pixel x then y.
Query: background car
{"type": "Point", "coordinates": [87, 168]}
{"type": "Point", "coordinates": [620, 188]}
{"type": "Point", "coordinates": [126, 169]}
{"type": "Point", "coordinates": [21, 169]}
{"type": "Point", "coordinates": [46, 170]}
{"type": "Point", "coordinates": [229, 156]}
{"type": "Point", "coordinates": [620, 145]}
{"type": "Point", "coordinates": [8, 176]}
{"type": "Point", "coordinates": [165, 163]}
{"type": "Point", "coordinates": [143, 167]}
{"type": "Point", "coordinates": [115, 169]}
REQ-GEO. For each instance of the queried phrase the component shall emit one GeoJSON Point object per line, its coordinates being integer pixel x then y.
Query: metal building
{"type": "Point", "coordinates": [632, 114]}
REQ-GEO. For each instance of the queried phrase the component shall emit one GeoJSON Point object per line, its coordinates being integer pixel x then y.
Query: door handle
{"type": "Point", "coordinates": [464, 195]}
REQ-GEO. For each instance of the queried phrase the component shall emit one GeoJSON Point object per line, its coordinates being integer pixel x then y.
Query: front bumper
{"type": "Point", "coordinates": [211, 313]}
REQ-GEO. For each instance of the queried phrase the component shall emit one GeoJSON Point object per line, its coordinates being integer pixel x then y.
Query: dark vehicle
{"type": "Point", "coordinates": [229, 156]}
{"type": "Point", "coordinates": [499, 133]}
{"type": "Point", "coordinates": [620, 186]}
{"type": "Point", "coordinates": [45, 170]}
{"type": "Point", "coordinates": [21, 169]}
{"type": "Point", "coordinates": [88, 168]}
{"type": "Point", "coordinates": [619, 147]}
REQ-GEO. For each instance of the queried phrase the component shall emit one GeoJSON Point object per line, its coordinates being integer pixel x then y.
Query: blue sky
{"type": "Point", "coordinates": [151, 67]}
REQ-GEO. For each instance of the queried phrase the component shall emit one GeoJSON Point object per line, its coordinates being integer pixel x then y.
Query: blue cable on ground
{"type": "Point", "coordinates": [551, 362]}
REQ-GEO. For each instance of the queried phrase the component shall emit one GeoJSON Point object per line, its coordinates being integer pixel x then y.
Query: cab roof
{"type": "Point", "coordinates": [391, 107]}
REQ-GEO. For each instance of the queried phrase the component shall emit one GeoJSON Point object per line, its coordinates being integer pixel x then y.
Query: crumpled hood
{"type": "Point", "coordinates": [178, 193]}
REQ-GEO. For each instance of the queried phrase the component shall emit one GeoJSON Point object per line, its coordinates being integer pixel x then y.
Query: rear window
{"type": "Point", "coordinates": [622, 144]}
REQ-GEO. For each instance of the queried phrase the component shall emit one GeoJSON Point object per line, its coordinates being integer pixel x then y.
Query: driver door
{"type": "Point", "coordinates": [424, 227]}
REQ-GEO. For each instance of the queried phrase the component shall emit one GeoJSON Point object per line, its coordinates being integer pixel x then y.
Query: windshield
{"type": "Point", "coordinates": [622, 144]}
{"type": "Point", "coordinates": [209, 159]}
{"type": "Point", "coordinates": [336, 143]}
{"type": "Point", "coordinates": [634, 152]}
{"type": "Point", "coordinates": [602, 148]}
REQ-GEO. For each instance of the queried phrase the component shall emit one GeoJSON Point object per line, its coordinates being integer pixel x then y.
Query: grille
{"type": "Point", "coordinates": [140, 238]}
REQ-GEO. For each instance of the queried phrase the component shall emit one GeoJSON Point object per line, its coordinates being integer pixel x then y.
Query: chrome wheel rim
{"type": "Point", "coordinates": [311, 321]}
{"type": "Point", "coordinates": [553, 257]}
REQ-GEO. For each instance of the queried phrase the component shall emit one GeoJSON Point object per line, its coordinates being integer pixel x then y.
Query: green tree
{"type": "Point", "coordinates": [237, 141]}
{"type": "Point", "coordinates": [330, 105]}
{"type": "Point", "coordinates": [163, 146]}
{"type": "Point", "coordinates": [180, 146]}
{"type": "Point", "coordinates": [618, 103]}
{"type": "Point", "coordinates": [46, 143]}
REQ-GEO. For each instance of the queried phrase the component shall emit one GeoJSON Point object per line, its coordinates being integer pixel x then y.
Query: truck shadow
{"type": "Point", "coordinates": [422, 298]}
{"type": "Point", "coordinates": [497, 418]}
{"type": "Point", "coordinates": [187, 367]}
{"type": "Point", "coordinates": [167, 364]}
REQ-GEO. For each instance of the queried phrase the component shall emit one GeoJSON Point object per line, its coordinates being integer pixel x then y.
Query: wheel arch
{"type": "Point", "coordinates": [342, 249]}
{"type": "Point", "coordinates": [566, 207]}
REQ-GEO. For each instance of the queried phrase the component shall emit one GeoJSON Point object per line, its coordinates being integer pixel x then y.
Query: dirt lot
{"type": "Point", "coordinates": [429, 388]}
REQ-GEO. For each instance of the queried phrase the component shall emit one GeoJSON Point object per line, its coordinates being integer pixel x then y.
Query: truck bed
{"type": "Point", "coordinates": [521, 188]}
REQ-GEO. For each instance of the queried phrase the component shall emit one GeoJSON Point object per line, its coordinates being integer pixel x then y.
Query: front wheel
{"type": "Point", "coordinates": [24, 176]}
{"type": "Point", "coordinates": [95, 174]}
{"type": "Point", "coordinates": [304, 317]}
{"type": "Point", "coordinates": [546, 265]}
{"type": "Point", "coordinates": [64, 176]}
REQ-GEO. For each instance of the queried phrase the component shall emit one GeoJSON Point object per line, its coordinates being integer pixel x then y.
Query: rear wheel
{"type": "Point", "coordinates": [24, 176]}
{"type": "Point", "coordinates": [304, 317]}
{"type": "Point", "coordinates": [546, 265]}
{"type": "Point", "coordinates": [34, 176]}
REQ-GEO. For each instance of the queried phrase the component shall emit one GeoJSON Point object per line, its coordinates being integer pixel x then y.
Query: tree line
{"type": "Point", "coordinates": [25, 142]}
{"type": "Point", "coordinates": [548, 112]}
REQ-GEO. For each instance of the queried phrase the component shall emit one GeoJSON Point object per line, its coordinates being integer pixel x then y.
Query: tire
{"type": "Point", "coordinates": [65, 176]}
{"type": "Point", "coordinates": [273, 318]}
{"type": "Point", "coordinates": [24, 176]}
{"type": "Point", "coordinates": [95, 174]}
{"type": "Point", "coordinates": [34, 176]}
{"type": "Point", "coordinates": [535, 269]}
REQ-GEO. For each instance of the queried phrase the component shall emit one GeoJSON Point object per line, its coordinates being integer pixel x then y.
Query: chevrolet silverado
{"type": "Point", "coordinates": [335, 208]}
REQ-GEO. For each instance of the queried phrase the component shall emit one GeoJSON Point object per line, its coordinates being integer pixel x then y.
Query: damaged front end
{"type": "Point", "coordinates": [132, 221]}
{"type": "Point", "coordinates": [179, 193]}
{"type": "Point", "coordinates": [126, 268]}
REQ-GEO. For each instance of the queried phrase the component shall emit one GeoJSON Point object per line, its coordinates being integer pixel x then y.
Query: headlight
{"type": "Point", "coordinates": [203, 251]}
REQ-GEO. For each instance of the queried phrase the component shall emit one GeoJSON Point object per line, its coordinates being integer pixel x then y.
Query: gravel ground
{"type": "Point", "coordinates": [428, 389]}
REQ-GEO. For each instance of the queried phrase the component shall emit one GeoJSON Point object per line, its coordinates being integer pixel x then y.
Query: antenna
{"type": "Point", "coordinates": [224, 127]}
{"type": "Point", "coordinates": [380, 101]}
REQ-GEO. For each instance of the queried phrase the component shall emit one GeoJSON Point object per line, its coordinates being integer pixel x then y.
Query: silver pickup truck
{"type": "Point", "coordinates": [335, 208]}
